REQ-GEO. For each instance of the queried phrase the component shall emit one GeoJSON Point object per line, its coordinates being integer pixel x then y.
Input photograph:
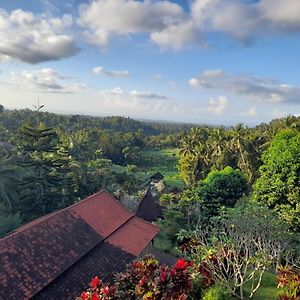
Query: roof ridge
{"type": "Point", "coordinates": [51, 214]}
{"type": "Point", "coordinates": [123, 219]}
{"type": "Point", "coordinates": [115, 230]}
{"type": "Point", "coordinates": [118, 202]}
{"type": "Point", "coordinates": [97, 244]}
{"type": "Point", "coordinates": [154, 225]}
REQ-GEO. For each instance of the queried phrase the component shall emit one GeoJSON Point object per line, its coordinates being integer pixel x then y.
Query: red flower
{"type": "Point", "coordinates": [84, 296]}
{"type": "Point", "coordinates": [105, 290]}
{"type": "Point", "coordinates": [181, 264]}
{"type": "Point", "coordinates": [142, 281]}
{"type": "Point", "coordinates": [95, 297]}
{"type": "Point", "coordinates": [172, 273]}
{"type": "Point", "coordinates": [163, 276]}
{"type": "Point", "coordinates": [95, 282]}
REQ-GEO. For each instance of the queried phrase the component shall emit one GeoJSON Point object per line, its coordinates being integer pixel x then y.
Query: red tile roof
{"type": "Point", "coordinates": [136, 233]}
{"type": "Point", "coordinates": [38, 252]}
{"type": "Point", "coordinates": [105, 216]}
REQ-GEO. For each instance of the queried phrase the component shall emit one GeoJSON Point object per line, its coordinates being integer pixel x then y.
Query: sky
{"type": "Point", "coordinates": [198, 61]}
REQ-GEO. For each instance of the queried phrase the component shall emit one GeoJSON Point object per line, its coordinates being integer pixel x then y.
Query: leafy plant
{"type": "Point", "coordinates": [145, 280]}
{"type": "Point", "coordinates": [289, 281]}
{"type": "Point", "coordinates": [279, 183]}
{"type": "Point", "coordinates": [216, 293]}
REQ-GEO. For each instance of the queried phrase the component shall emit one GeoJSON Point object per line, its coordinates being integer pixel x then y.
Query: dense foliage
{"type": "Point", "coordinates": [145, 279]}
{"type": "Point", "coordinates": [236, 215]}
{"type": "Point", "coordinates": [289, 282]}
{"type": "Point", "coordinates": [279, 183]}
{"type": "Point", "coordinates": [205, 148]}
{"type": "Point", "coordinates": [49, 161]}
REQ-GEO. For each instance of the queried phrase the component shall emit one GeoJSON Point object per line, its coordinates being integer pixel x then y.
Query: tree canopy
{"type": "Point", "coordinates": [279, 183]}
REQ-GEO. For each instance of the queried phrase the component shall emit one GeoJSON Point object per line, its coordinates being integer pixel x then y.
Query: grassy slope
{"type": "Point", "coordinates": [268, 289]}
{"type": "Point", "coordinates": [165, 161]}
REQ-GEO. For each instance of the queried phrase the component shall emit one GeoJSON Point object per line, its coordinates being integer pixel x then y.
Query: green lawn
{"type": "Point", "coordinates": [165, 161]}
{"type": "Point", "coordinates": [268, 289]}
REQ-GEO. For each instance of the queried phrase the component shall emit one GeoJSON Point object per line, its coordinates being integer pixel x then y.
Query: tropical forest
{"type": "Point", "coordinates": [149, 150]}
{"type": "Point", "coordinates": [230, 197]}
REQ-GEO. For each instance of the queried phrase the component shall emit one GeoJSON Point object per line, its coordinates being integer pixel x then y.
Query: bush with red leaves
{"type": "Point", "coordinates": [289, 281]}
{"type": "Point", "coordinates": [147, 280]}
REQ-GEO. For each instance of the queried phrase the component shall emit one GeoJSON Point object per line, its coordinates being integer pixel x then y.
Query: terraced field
{"type": "Point", "coordinates": [163, 161]}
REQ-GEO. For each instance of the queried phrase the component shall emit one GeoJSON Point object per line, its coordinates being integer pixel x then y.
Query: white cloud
{"type": "Point", "coordinates": [177, 35]}
{"type": "Point", "coordinates": [168, 25]}
{"type": "Point", "coordinates": [5, 58]}
{"type": "Point", "coordinates": [258, 89]}
{"type": "Point", "coordinates": [247, 20]}
{"type": "Point", "coordinates": [45, 80]}
{"type": "Point", "coordinates": [276, 113]}
{"type": "Point", "coordinates": [36, 38]}
{"type": "Point", "coordinates": [285, 15]}
{"type": "Point", "coordinates": [33, 39]}
{"type": "Point", "coordinates": [147, 95]}
{"type": "Point", "coordinates": [215, 106]}
{"type": "Point", "coordinates": [134, 101]}
{"type": "Point", "coordinates": [101, 70]}
{"type": "Point", "coordinates": [179, 109]}
{"type": "Point", "coordinates": [165, 22]}
{"type": "Point", "coordinates": [249, 113]}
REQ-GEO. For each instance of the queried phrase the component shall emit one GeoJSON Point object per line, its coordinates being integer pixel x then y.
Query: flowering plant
{"type": "Point", "coordinates": [99, 291]}
{"type": "Point", "coordinates": [145, 280]}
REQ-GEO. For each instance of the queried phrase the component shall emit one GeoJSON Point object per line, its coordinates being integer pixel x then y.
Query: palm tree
{"type": "Point", "coordinates": [187, 146]}
{"type": "Point", "coordinates": [218, 142]}
{"type": "Point", "coordinates": [239, 145]}
{"type": "Point", "coordinates": [267, 135]}
{"type": "Point", "coordinates": [288, 122]}
{"type": "Point", "coordinates": [196, 139]}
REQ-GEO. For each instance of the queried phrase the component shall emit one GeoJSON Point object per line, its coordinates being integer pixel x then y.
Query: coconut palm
{"type": "Point", "coordinates": [218, 142]}
{"type": "Point", "coordinates": [196, 139]}
{"type": "Point", "coordinates": [187, 146]}
{"type": "Point", "coordinates": [288, 122]}
{"type": "Point", "coordinates": [239, 145]}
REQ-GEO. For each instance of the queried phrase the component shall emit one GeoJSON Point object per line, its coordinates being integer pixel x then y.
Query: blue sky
{"type": "Point", "coordinates": [207, 61]}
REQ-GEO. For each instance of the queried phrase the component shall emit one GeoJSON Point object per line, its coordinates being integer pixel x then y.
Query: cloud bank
{"type": "Point", "coordinates": [134, 101]}
{"type": "Point", "coordinates": [35, 38]}
{"type": "Point", "coordinates": [258, 89]}
{"type": "Point", "coordinates": [45, 80]}
{"type": "Point", "coordinates": [168, 25]}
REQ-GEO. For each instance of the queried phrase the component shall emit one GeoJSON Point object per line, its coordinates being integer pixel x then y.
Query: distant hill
{"type": "Point", "coordinates": [14, 119]}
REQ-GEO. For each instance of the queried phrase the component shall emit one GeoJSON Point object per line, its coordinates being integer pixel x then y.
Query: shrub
{"type": "Point", "coordinates": [279, 183]}
{"type": "Point", "coordinates": [145, 279]}
{"type": "Point", "coordinates": [289, 282]}
{"type": "Point", "coordinates": [242, 245]}
{"type": "Point", "coordinates": [216, 293]}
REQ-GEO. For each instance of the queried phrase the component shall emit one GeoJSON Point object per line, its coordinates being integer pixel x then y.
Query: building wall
{"type": "Point", "coordinates": [147, 250]}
